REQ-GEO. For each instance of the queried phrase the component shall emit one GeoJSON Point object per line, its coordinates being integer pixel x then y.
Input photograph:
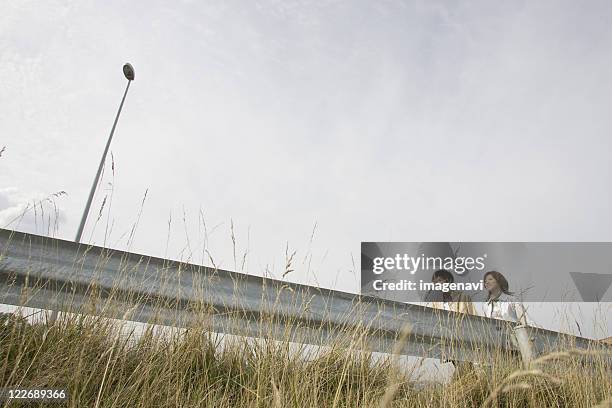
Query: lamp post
{"type": "Point", "coordinates": [128, 71]}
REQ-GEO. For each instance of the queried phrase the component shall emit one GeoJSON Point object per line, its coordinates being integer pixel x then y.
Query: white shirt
{"type": "Point", "coordinates": [505, 307]}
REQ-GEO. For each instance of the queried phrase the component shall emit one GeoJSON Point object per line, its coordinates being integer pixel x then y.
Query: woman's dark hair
{"type": "Point", "coordinates": [443, 274]}
{"type": "Point", "coordinates": [501, 281]}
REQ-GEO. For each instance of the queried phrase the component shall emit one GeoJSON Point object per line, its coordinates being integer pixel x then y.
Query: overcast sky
{"type": "Point", "coordinates": [373, 121]}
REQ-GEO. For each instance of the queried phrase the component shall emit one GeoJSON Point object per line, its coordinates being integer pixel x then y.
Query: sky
{"type": "Point", "coordinates": [308, 126]}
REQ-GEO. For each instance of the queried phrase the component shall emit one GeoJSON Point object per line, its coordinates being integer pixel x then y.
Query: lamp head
{"type": "Point", "coordinates": [128, 71]}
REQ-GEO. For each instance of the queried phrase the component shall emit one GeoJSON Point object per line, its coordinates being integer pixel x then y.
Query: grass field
{"type": "Point", "coordinates": [103, 366]}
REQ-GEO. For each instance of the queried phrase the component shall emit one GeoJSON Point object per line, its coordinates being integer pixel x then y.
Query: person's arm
{"type": "Point", "coordinates": [521, 313]}
{"type": "Point", "coordinates": [469, 307]}
{"type": "Point", "coordinates": [466, 304]}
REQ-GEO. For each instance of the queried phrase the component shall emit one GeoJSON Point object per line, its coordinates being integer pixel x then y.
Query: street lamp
{"type": "Point", "coordinates": [128, 71]}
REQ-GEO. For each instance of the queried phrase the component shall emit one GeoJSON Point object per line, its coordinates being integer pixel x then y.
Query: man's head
{"type": "Point", "coordinates": [442, 276]}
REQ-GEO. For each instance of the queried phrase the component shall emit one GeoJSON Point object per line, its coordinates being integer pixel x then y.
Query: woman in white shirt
{"type": "Point", "coordinates": [501, 304]}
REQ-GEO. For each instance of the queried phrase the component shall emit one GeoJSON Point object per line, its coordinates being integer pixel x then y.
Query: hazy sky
{"type": "Point", "coordinates": [374, 121]}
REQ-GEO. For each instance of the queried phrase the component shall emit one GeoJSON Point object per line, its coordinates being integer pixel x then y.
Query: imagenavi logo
{"type": "Point", "coordinates": [411, 264]}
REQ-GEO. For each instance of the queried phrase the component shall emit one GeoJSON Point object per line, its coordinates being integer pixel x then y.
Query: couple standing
{"type": "Point", "coordinates": [500, 304]}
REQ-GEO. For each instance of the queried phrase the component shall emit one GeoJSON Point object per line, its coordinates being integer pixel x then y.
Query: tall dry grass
{"type": "Point", "coordinates": [102, 364]}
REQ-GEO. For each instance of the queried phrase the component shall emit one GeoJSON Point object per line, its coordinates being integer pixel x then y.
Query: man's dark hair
{"type": "Point", "coordinates": [443, 274]}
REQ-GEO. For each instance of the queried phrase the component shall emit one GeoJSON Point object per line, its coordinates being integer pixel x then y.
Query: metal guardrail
{"type": "Point", "coordinates": [49, 273]}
